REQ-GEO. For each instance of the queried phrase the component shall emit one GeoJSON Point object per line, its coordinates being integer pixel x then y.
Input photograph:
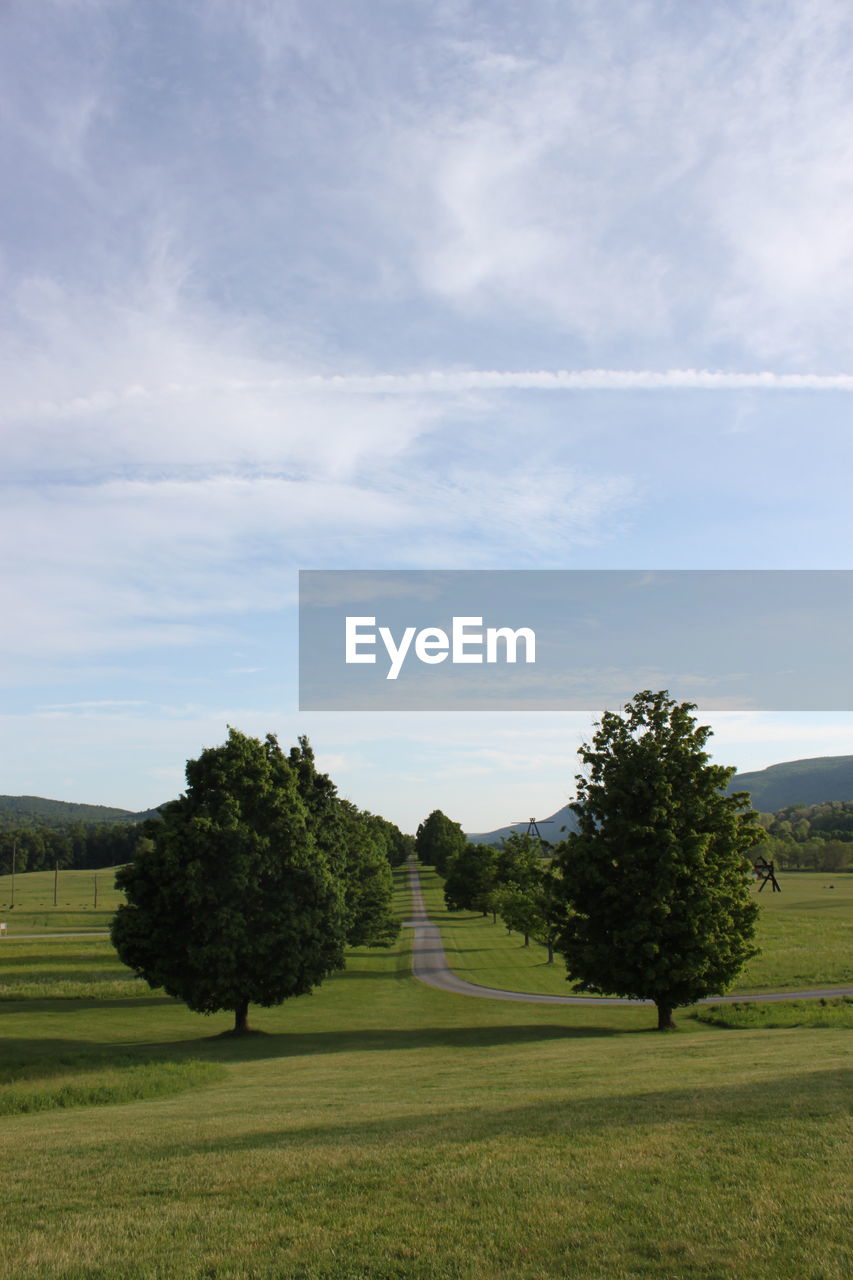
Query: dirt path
{"type": "Point", "coordinates": [429, 965]}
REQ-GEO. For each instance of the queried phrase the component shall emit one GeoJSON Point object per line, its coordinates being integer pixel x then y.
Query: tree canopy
{"type": "Point", "coordinates": [233, 902]}
{"type": "Point", "coordinates": [438, 839]}
{"type": "Point", "coordinates": [470, 878]}
{"type": "Point", "coordinates": [358, 846]}
{"type": "Point", "coordinates": [476, 872]}
{"type": "Point", "coordinates": [656, 883]}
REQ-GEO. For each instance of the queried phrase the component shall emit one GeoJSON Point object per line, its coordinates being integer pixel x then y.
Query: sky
{"type": "Point", "coordinates": [397, 284]}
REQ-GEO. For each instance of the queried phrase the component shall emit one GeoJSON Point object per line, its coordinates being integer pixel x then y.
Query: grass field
{"type": "Point", "coordinates": [830, 1012]}
{"type": "Point", "coordinates": [75, 909]}
{"type": "Point", "coordinates": [805, 934]}
{"type": "Point", "coordinates": [383, 1130]}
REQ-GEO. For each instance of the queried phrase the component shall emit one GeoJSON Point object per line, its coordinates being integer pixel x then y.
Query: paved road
{"type": "Point", "coordinates": [429, 965]}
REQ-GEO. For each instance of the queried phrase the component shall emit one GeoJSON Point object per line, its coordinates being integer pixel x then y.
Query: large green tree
{"type": "Point", "coordinates": [656, 882]}
{"type": "Point", "coordinates": [233, 902]}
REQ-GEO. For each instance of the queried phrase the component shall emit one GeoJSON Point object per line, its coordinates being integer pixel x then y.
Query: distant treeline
{"type": "Point", "coordinates": [82, 846]}
{"type": "Point", "coordinates": [87, 846]}
{"type": "Point", "coordinates": [817, 837]}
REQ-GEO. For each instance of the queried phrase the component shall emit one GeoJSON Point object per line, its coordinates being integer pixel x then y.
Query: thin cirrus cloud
{"type": "Point", "coordinates": [145, 563]}
{"type": "Point", "coordinates": [553, 182]}
{"type": "Point", "coordinates": [498, 173]}
{"type": "Point", "coordinates": [429, 383]}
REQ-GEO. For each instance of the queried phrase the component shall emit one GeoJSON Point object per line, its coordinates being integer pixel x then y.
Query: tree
{"type": "Point", "coordinates": [531, 908]}
{"type": "Point", "coordinates": [398, 845]}
{"type": "Point", "coordinates": [470, 878]}
{"type": "Point", "coordinates": [656, 882]}
{"type": "Point", "coordinates": [355, 844]}
{"type": "Point", "coordinates": [368, 882]}
{"type": "Point", "coordinates": [518, 909]}
{"type": "Point", "coordinates": [437, 840]}
{"type": "Point", "coordinates": [519, 860]}
{"type": "Point", "coordinates": [233, 903]}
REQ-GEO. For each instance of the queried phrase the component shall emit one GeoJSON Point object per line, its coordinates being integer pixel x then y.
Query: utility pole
{"type": "Point", "coordinates": [14, 851]}
{"type": "Point", "coordinates": [55, 881]}
{"type": "Point", "coordinates": [95, 904]}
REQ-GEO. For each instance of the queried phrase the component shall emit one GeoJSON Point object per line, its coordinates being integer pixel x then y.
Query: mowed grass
{"type": "Point", "coordinates": [831, 1012]}
{"type": "Point", "coordinates": [383, 1130]}
{"type": "Point", "coordinates": [805, 934]}
{"type": "Point", "coordinates": [84, 968]}
{"type": "Point", "coordinates": [75, 909]}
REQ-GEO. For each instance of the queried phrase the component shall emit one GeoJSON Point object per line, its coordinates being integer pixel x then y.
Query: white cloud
{"type": "Point", "coordinates": [140, 563]}
{"type": "Point", "coordinates": [285, 286]}
{"type": "Point", "coordinates": [682, 171]}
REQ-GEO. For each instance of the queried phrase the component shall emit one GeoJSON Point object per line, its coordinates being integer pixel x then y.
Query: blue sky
{"type": "Point", "coordinates": [286, 285]}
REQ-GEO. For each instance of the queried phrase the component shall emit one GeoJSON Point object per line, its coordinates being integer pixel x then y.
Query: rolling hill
{"type": "Point", "coordinates": [35, 811]}
{"type": "Point", "coordinates": [797, 782]}
{"type": "Point", "coordinates": [811, 781]}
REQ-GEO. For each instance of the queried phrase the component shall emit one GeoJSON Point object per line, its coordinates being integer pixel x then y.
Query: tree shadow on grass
{"type": "Point", "coordinates": [33, 1055]}
{"type": "Point", "coordinates": [287, 1045]}
{"type": "Point", "coordinates": [68, 1004]}
{"type": "Point", "coordinates": [567, 1117]}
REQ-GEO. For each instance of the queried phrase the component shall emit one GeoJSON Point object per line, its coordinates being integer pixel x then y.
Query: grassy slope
{"type": "Point", "coordinates": [383, 1129]}
{"type": "Point", "coordinates": [805, 932]}
{"type": "Point", "coordinates": [34, 911]}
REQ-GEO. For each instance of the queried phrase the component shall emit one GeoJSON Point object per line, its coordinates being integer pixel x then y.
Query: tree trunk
{"type": "Point", "coordinates": [550, 951]}
{"type": "Point", "coordinates": [527, 939]}
{"type": "Point", "coordinates": [665, 1022]}
{"type": "Point", "coordinates": [241, 1018]}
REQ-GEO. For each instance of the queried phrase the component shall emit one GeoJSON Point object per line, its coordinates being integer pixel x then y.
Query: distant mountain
{"type": "Point", "coordinates": [552, 829]}
{"type": "Point", "coordinates": [797, 782]}
{"type": "Point", "coordinates": [776, 787]}
{"type": "Point", "coordinates": [35, 811]}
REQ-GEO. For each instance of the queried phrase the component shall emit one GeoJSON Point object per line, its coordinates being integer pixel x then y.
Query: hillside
{"type": "Point", "coordinates": [35, 811]}
{"type": "Point", "coordinates": [808, 782]}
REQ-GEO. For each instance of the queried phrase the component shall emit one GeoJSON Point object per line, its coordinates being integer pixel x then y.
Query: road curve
{"type": "Point", "coordinates": [429, 965]}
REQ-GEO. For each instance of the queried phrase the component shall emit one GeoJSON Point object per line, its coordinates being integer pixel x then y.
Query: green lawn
{"type": "Point", "coordinates": [832, 1011]}
{"type": "Point", "coordinates": [805, 934]}
{"type": "Point", "coordinates": [75, 909]}
{"type": "Point", "coordinates": [382, 1130]}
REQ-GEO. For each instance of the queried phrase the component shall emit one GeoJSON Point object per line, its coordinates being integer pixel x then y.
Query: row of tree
{"type": "Point", "coordinates": [832, 820]}
{"type": "Point", "coordinates": [817, 837]}
{"type": "Point", "coordinates": [513, 882]}
{"type": "Point", "coordinates": [814, 854]}
{"type": "Point", "coordinates": [249, 887]}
